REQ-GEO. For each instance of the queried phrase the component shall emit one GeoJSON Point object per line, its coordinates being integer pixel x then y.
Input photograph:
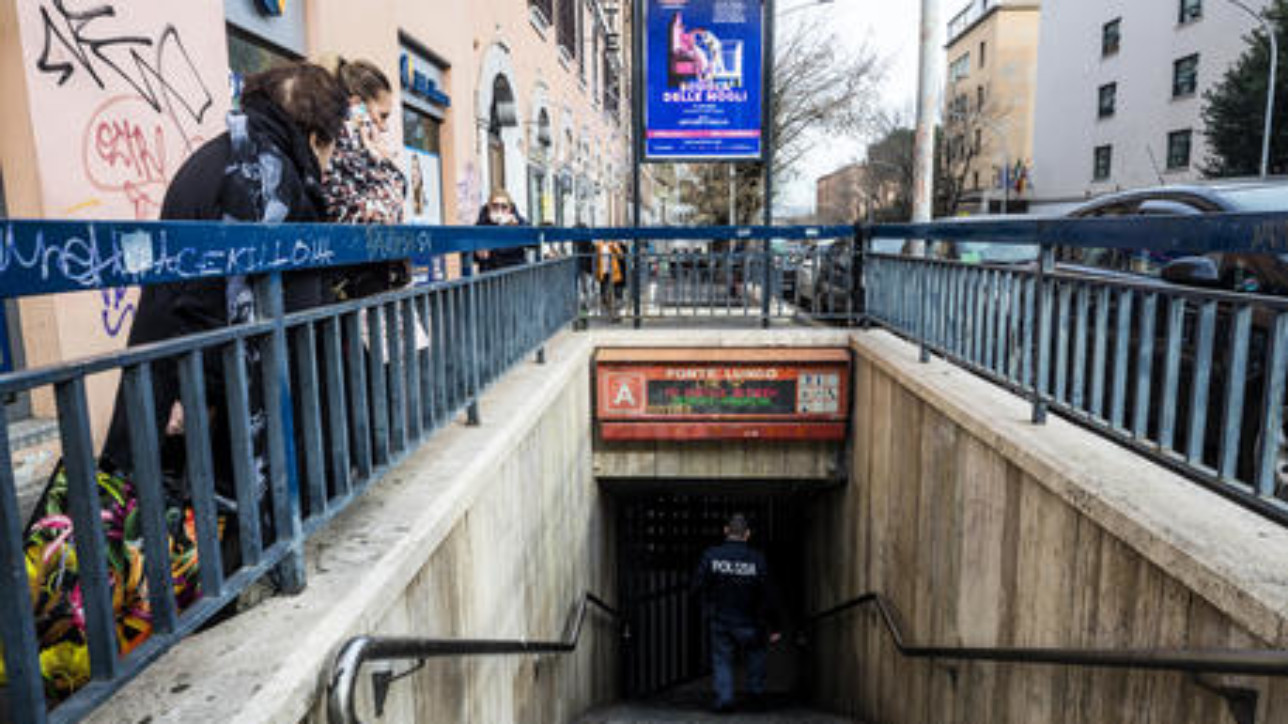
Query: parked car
{"type": "Point", "coordinates": [1265, 274]}
{"type": "Point", "coordinates": [788, 254]}
{"type": "Point", "coordinates": [808, 271]}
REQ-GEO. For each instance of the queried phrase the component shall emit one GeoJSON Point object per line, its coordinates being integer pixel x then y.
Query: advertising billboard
{"type": "Point", "coordinates": [703, 69]}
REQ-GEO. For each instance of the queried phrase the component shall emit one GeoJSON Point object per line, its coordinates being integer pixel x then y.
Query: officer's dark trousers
{"type": "Point", "coordinates": [726, 640]}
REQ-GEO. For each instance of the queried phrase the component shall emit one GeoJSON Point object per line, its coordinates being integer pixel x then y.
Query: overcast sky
{"type": "Point", "coordinates": [891, 26]}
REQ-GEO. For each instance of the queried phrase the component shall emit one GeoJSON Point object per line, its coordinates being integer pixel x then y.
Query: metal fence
{"type": "Point", "coordinates": [1192, 377]}
{"type": "Point", "coordinates": [720, 274]}
{"type": "Point", "coordinates": [346, 391]}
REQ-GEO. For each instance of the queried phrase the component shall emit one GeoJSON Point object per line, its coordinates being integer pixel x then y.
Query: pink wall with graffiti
{"type": "Point", "coordinates": [119, 94]}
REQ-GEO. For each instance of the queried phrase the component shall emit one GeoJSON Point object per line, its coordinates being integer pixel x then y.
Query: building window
{"type": "Point", "coordinates": [1110, 36]}
{"type": "Point", "coordinates": [249, 54]}
{"type": "Point", "coordinates": [1108, 100]}
{"type": "Point", "coordinates": [567, 27]}
{"type": "Point", "coordinates": [424, 110]}
{"type": "Point", "coordinates": [979, 97]}
{"type": "Point", "coordinates": [1103, 163]}
{"type": "Point", "coordinates": [1190, 11]}
{"type": "Point", "coordinates": [544, 8]}
{"type": "Point", "coordinates": [979, 142]}
{"type": "Point", "coordinates": [983, 53]}
{"type": "Point", "coordinates": [1185, 76]}
{"type": "Point", "coordinates": [959, 69]}
{"type": "Point", "coordinates": [1178, 149]}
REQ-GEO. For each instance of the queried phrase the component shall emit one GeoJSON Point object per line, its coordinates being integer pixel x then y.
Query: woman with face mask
{"type": "Point", "coordinates": [499, 211]}
{"type": "Point", "coordinates": [364, 184]}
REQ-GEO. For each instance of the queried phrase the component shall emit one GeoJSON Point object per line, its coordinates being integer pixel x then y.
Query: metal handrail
{"type": "Point", "coordinates": [359, 650]}
{"type": "Point", "coordinates": [1246, 662]}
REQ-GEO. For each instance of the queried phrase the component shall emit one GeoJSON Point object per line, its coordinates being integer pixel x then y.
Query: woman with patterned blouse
{"type": "Point", "coordinates": [364, 184]}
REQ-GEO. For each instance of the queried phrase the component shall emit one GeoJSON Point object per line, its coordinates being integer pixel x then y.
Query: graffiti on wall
{"type": "Point", "coordinates": [469, 195]}
{"type": "Point", "coordinates": [120, 94]}
{"type": "Point", "coordinates": [160, 71]}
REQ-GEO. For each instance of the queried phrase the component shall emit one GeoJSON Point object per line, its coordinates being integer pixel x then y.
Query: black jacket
{"type": "Point", "coordinates": [229, 178]}
{"type": "Point", "coordinates": [734, 580]}
{"type": "Point", "coordinates": [501, 258]}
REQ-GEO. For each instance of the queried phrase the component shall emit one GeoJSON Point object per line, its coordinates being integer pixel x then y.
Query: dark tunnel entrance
{"type": "Point", "coordinates": [661, 535]}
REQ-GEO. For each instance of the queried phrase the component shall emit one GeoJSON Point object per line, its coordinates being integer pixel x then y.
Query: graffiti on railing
{"type": "Point", "coordinates": [89, 261]}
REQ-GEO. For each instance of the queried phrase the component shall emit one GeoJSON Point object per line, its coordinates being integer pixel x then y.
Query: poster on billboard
{"type": "Point", "coordinates": [703, 72]}
{"type": "Point", "coordinates": [424, 205]}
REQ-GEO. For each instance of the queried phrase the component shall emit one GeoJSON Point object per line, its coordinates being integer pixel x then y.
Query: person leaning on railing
{"type": "Point", "coordinates": [364, 184]}
{"type": "Point", "coordinates": [290, 118]}
{"type": "Point", "coordinates": [266, 168]}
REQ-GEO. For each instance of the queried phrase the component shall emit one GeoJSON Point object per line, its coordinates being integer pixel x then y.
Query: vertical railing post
{"type": "Point", "coordinates": [1046, 263]}
{"type": "Point", "coordinates": [25, 689]}
{"type": "Point", "coordinates": [637, 279]}
{"type": "Point", "coordinates": [284, 481]}
{"type": "Point", "coordinates": [472, 361]}
{"type": "Point", "coordinates": [859, 269]}
{"type": "Point", "coordinates": [542, 308]}
{"type": "Point", "coordinates": [923, 289]}
{"type": "Point", "coordinates": [766, 283]}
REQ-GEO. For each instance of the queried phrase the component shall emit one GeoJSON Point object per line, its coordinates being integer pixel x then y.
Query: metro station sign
{"type": "Point", "coordinates": [722, 394]}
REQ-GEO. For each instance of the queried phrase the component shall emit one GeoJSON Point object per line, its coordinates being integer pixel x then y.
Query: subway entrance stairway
{"type": "Point", "coordinates": [480, 511]}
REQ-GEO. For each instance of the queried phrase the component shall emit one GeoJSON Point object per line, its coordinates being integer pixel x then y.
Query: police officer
{"type": "Point", "coordinates": [733, 579]}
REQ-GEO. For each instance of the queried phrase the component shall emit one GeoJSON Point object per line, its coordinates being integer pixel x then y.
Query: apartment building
{"type": "Point", "coordinates": [992, 52]}
{"type": "Point", "coordinates": [1120, 92]}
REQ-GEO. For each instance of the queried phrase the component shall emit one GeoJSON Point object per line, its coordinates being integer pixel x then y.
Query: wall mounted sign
{"type": "Point", "coordinates": [703, 71]}
{"type": "Point", "coordinates": [421, 80]}
{"type": "Point", "coordinates": [722, 394]}
{"type": "Point", "coordinates": [275, 8]}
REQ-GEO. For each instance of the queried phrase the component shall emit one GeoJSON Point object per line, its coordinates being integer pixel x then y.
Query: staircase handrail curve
{"type": "Point", "coordinates": [362, 649]}
{"type": "Point", "coordinates": [1245, 662]}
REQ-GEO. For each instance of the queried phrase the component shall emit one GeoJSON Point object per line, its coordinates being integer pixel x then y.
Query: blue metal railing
{"type": "Point", "coordinates": [346, 391]}
{"type": "Point", "coordinates": [1192, 377]}
{"type": "Point", "coordinates": [355, 386]}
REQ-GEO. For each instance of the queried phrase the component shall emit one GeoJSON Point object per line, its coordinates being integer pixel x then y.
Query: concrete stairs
{"type": "Point", "coordinates": [689, 704]}
{"type": "Point", "coordinates": [646, 713]}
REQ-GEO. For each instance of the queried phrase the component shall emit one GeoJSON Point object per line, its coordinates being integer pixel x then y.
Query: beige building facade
{"type": "Point", "coordinates": [842, 197]}
{"type": "Point", "coordinates": [992, 54]}
{"type": "Point", "coordinates": [103, 106]}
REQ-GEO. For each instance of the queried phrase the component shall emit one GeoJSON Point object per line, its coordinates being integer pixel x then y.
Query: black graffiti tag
{"type": "Point", "coordinates": [161, 72]}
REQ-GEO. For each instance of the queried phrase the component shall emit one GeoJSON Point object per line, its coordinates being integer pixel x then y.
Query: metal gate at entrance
{"type": "Point", "coordinates": [660, 539]}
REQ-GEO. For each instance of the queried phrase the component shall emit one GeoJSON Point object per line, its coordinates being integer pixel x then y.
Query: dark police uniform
{"type": "Point", "coordinates": [734, 580]}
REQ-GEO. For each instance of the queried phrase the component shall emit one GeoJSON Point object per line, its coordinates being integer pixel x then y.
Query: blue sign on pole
{"type": "Point", "coordinates": [703, 79]}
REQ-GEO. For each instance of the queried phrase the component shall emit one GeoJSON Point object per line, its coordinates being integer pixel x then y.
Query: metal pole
{"type": "Point", "coordinates": [637, 146]}
{"type": "Point", "coordinates": [767, 139]}
{"type": "Point", "coordinates": [1270, 89]}
{"type": "Point", "coordinates": [767, 120]}
{"type": "Point", "coordinates": [929, 99]}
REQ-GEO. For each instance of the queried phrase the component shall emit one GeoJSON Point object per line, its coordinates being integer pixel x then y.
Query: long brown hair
{"type": "Point", "coordinates": [359, 78]}
{"type": "Point", "coordinates": [310, 96]}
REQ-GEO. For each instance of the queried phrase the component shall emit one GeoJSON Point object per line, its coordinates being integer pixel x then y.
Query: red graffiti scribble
{"type": "Point", "coordinates": [124, 151]}
{"type": "Point", "coordinates": [123, 144]}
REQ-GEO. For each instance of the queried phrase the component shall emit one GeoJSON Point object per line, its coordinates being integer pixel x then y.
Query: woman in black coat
{"type": "Point", "coordinates": [266, 168]}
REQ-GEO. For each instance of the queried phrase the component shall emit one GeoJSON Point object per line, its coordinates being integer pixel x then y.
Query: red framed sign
{"type": "Point", "coordinates": [722, 393]}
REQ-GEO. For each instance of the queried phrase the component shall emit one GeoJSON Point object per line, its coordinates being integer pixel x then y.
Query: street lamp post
{"type": "Point", "coordinates": [1270, 90]}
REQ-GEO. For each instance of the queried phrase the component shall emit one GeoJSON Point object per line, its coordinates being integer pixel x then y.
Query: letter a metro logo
{"type": "Point", "coordinates": [622, 393]}
{"type": "Point", "coordinates": [624, 397]}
